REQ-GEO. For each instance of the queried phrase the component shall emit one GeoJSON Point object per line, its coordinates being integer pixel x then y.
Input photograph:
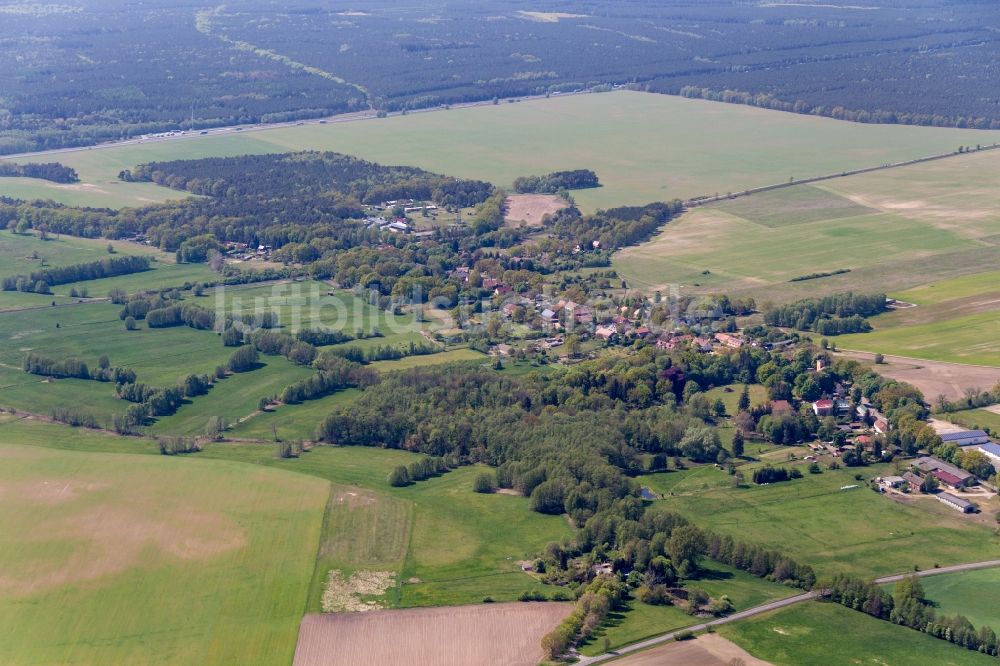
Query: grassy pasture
{"type": "Point", "coordinates": [644, 147]}
{"type": "Point", "coordinates": [970, 593]}
{"type": "Point", "coordinates": [145, 559]}
{"type": "Point", "coordinates": [897, 229]}
{"type": "Point", "coordinates": [854, 531]}
{"type": "Point", "coordinates": [17, 251]}
{"type": "Point", "coordinates": [292, 422]}
{"type": "Point", "coordinates": [159, 356]}
{"type": "Point", "coordinates": [234, 398]}
{"type": "Point", "coordinates": [826, 633]}
{"type": "Point", "coordinates": [975, 418]}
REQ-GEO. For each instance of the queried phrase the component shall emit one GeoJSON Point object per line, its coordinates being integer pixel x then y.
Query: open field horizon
{"type": "Point", "coordinates": [644, 147]}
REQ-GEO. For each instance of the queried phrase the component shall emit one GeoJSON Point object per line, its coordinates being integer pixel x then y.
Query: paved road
{"type": "Point", "coordinates": [774, 605]}
{"type": "Point", "coordinates": [987, 564]}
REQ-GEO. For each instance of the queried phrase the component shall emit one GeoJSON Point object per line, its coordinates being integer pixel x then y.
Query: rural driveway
{"type": "Point", "coordinates": [774, 605]}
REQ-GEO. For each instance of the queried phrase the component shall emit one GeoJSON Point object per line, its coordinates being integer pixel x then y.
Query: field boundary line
{"type": "Point", "coordinates": [701, 201]}
{"type": "Point", "coordinates": [920, 360]}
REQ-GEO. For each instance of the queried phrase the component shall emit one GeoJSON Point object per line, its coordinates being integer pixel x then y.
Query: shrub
{"type": "Point", "coordinates": [485, 483]}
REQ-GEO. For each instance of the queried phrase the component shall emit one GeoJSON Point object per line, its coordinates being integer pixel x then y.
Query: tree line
{"type": "Point", "coordinates": [52, 171]}
{"type": "Point", "coordinates": [39, 281]}
{"type": "Point", "coordinates": [557, 181]}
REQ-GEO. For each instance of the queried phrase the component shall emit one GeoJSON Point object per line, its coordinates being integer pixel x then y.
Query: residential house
{"type": "Point", "coordinates": [914, 480]}
{"type": "Point", "coordinates": [881, 426]}
{"type": "Point", "coordinates": [893, 481]}
{"type": "Point", "coordinates": [605, 332]}
{"type": "Point", "coordinates": [733, 341]}
{"type": "Point", "coordinates": [823, 407]}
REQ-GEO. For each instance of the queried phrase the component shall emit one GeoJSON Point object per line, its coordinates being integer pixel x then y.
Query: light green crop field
{"type": "Point", "coordinates": [640, 621]}
{"type": "Point", "coordinates": [894, 230]}
{"type": "Point", "coordinates": [852, 531]}
{"type": "Point", "coordinates": [114, 559]}
{"type": "Point", "coordinates": [827, 633]}
{"type": "Point", "coordinates": [970, 593]}
{"type": "Point", "coordinates": [644, 147]}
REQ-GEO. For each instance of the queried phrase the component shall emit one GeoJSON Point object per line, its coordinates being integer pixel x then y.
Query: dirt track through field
{"type": "Point", "coordinates": [706, 650]}
{"type": "Point", "coordinates": [489, 634]}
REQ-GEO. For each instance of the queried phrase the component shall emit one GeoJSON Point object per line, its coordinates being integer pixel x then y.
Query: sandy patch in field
{"type": "Point", "coordinates": [933, 378]}
{"type": "Point", "coordinates": [48, 491]}
{"type": "Point", "coordinates": [349, 594]}
{"type": "Point", "coordinates": [353, 499]}
{"type": "Point", "coordinates": [945, 427]}
{"type": "Point", "coordinates": [486, 635]}
{"type": "Point", "coordinates": [108, 539]}
{"type": "Point", "coordinates": [529, 209]}
{"type": "Point", "coordinates": [548, 17]}
{"type": "Point", "coordinates": [706, 650]}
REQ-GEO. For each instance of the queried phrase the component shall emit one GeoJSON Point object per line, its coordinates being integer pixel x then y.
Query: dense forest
{"type": "Point", "coordinates": [927, 62]}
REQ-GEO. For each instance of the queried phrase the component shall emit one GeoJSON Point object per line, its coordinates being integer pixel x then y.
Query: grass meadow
{"type": "Point", "coordinates": [852, 531]}
{"type": "Point", "coordinates": [826, 633]}
{"type": "Point", "coordinates": [644, 147]}
{"type": "Point", "coordinates": [145, 559]}
{"type": "Point", "coordinates": [970, 593]}
{"type": "Point", "coordinates": [974, 419]}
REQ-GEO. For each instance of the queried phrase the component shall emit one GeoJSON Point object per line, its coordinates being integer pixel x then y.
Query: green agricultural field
{"type": "Point", "coordinates": [955, 320]}
{"type": "Point", "coordinates": [826, 633]}
{"type": "Point", "coordinates": [970, 593]}
{"type": "Point", "coordinates": [853, 531]}
{"type": "Point", "coordinates": [640, 621]}
{"type": "Point", "coordinates": [644, 147]}
{"type": "Point", "coordinates": [113, 559]}
{"type": "Point", "coordinates": [898, 229]}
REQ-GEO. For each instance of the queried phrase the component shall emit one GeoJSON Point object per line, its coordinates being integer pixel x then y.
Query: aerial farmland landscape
{"type": "Point", "coordinates": [458, 334]}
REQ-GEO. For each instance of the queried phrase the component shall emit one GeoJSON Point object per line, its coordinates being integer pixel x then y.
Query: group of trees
{"type": "Point", "coordinates": [39, 281]}
{"type": "Point", "coordinates": [335, 374]}
{"type": "Point", "coordinates": [557, 181]}
{"type": "Point", "coordinates": [38, 364]}
{"type": "Point", "coordinates": [828, 315]}
{"type": "Point", "coordinates": [53, 171]}
{"type": "Point", "coordinates": [420, 470]}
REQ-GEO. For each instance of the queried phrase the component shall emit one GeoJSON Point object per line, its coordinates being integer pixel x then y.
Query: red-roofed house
{"type": "Point", "coordinates": [881, 426]}
{"type": "Point", "coordinates": [733, 341]}
{"type": "Point", "coordinates": [823, 407]}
